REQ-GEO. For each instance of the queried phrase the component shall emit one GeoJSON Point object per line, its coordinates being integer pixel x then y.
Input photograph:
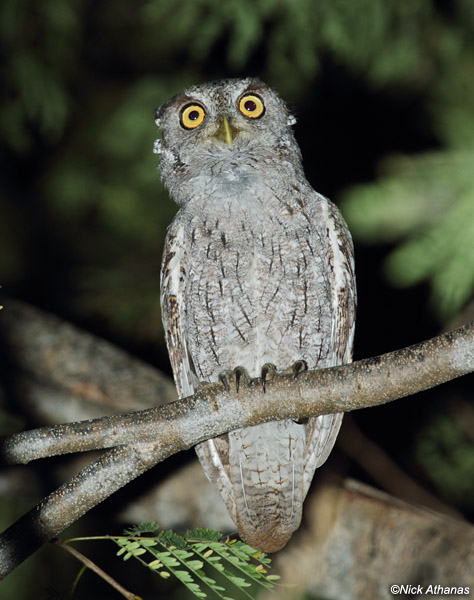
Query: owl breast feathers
{"type": "Point", "coordinates": [257, 268]}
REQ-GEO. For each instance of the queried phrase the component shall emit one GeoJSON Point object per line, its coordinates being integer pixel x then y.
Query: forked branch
{"type": "Point", "coordinates": [142, 439]}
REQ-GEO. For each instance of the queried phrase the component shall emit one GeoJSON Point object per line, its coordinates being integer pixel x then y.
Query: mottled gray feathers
{"type": "Point", "coordinates": [257, 268]}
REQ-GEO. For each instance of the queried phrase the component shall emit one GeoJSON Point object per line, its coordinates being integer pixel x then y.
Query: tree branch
{"type": "Point", "coordinates": [95, 483]}
{"type": "Point", "coordinates": [57, 370]}
{"type": "Point", "coordinates": [152, 435]}
{"type": "Point", "coordinates": [212, 410]}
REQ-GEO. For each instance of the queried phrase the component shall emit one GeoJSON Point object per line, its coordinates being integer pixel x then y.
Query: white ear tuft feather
{"type": "Point", "coordinates": [157, 149]}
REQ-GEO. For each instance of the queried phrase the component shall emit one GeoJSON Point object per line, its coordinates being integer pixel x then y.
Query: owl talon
{"type": "Point", "coordinates": [296, 368]}
{"type": "Point", "coordinates": [267, 372]}
{"type": "Point", "coordinates": [240, 373]}
{"type": "Point", "coordinates": [299, 366]}
{"type": "Point", "coordinates": [237, 375]}
{"type": "Point", "coordinates": [224, 379]}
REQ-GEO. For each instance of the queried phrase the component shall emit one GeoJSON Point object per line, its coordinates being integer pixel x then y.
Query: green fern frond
{"type": "Point", "coordinates": [193, 558]}
{"type": "Point", "coordinates": [203, 535]}
{"type": "Point", "coordinates": [142, 528]}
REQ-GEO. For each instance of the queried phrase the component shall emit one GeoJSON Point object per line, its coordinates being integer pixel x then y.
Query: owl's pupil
{"type": "Point", "coordinates": [250, 106]}
{"type": "Point", "coordinates": [193, 115]}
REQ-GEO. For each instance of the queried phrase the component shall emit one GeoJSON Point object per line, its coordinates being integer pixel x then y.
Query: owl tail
{"type": "Point", "coordinates": [263, 474]}
{"type": "Point", "coordinates": [267, 539]}
{"type": "Point", "coordinates": [266, 469]}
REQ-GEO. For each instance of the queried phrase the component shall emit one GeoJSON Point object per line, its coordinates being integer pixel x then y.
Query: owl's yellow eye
{"type": "Point", "coordinates": [192, 116]}
{"type": "Point", "coordinates": [251, 106]}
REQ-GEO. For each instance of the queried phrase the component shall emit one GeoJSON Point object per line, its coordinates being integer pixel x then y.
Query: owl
{"type": "Point", "coordinates": [257, 274]}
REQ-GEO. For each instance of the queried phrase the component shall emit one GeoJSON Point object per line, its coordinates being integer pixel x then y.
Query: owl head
{"type": "Point", "coordinates": [210, 126]}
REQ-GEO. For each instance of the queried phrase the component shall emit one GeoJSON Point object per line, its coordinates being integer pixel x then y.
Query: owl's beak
{"type": "Point", "coordinates": [226, 132]}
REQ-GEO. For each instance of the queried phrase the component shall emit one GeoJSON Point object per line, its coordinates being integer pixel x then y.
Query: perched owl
{"type": "Point", "coordinates": [257, 269]}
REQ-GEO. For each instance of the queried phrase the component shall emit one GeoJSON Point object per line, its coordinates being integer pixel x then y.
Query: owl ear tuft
{"type": "Point", "coordinates": [158, 116]}
{"type": "Point", "coordinates": [291, 120]}
{"type": "Point", "coordinates": [157, 149]}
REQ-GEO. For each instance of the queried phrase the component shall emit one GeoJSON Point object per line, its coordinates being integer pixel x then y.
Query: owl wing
{"type": "Point", "coordinates": [173, 272]}
{"type": "Point", "coordinates": [321, 432]}
{"type": "Point", "coordinates": [173, 308]}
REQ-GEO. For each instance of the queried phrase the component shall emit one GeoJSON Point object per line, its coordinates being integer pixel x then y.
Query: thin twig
{"type": "Point", "coordinates": [100, 572]}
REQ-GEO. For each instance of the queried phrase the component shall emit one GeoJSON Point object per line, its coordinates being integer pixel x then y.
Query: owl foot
{"type": "Point", "coordinates": [238, 374]}
{"type": "Point", "coordinates": [296, 368]}
{"type": "Point", "coordinates": [267, 373]}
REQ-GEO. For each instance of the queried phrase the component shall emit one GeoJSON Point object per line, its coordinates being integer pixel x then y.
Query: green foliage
{"type": "Point", "coordinates": [76, 116]}
{"type": "Point", "coordinates": [388, 42]}
{"type": "Point", "coordinates": [39, 39]}
{"type": "Point", "coordinates": [426, 205]}
{"type": "Point", "coordinates": [112, 185]}
{"type": "Point", "coordinates": [192, 558]}
{"type": "Point", "coordinates": [445, 451]}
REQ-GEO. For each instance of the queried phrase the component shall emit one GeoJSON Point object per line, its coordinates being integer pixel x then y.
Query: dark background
{"type": "Point", "coordinates": [379, 91]}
